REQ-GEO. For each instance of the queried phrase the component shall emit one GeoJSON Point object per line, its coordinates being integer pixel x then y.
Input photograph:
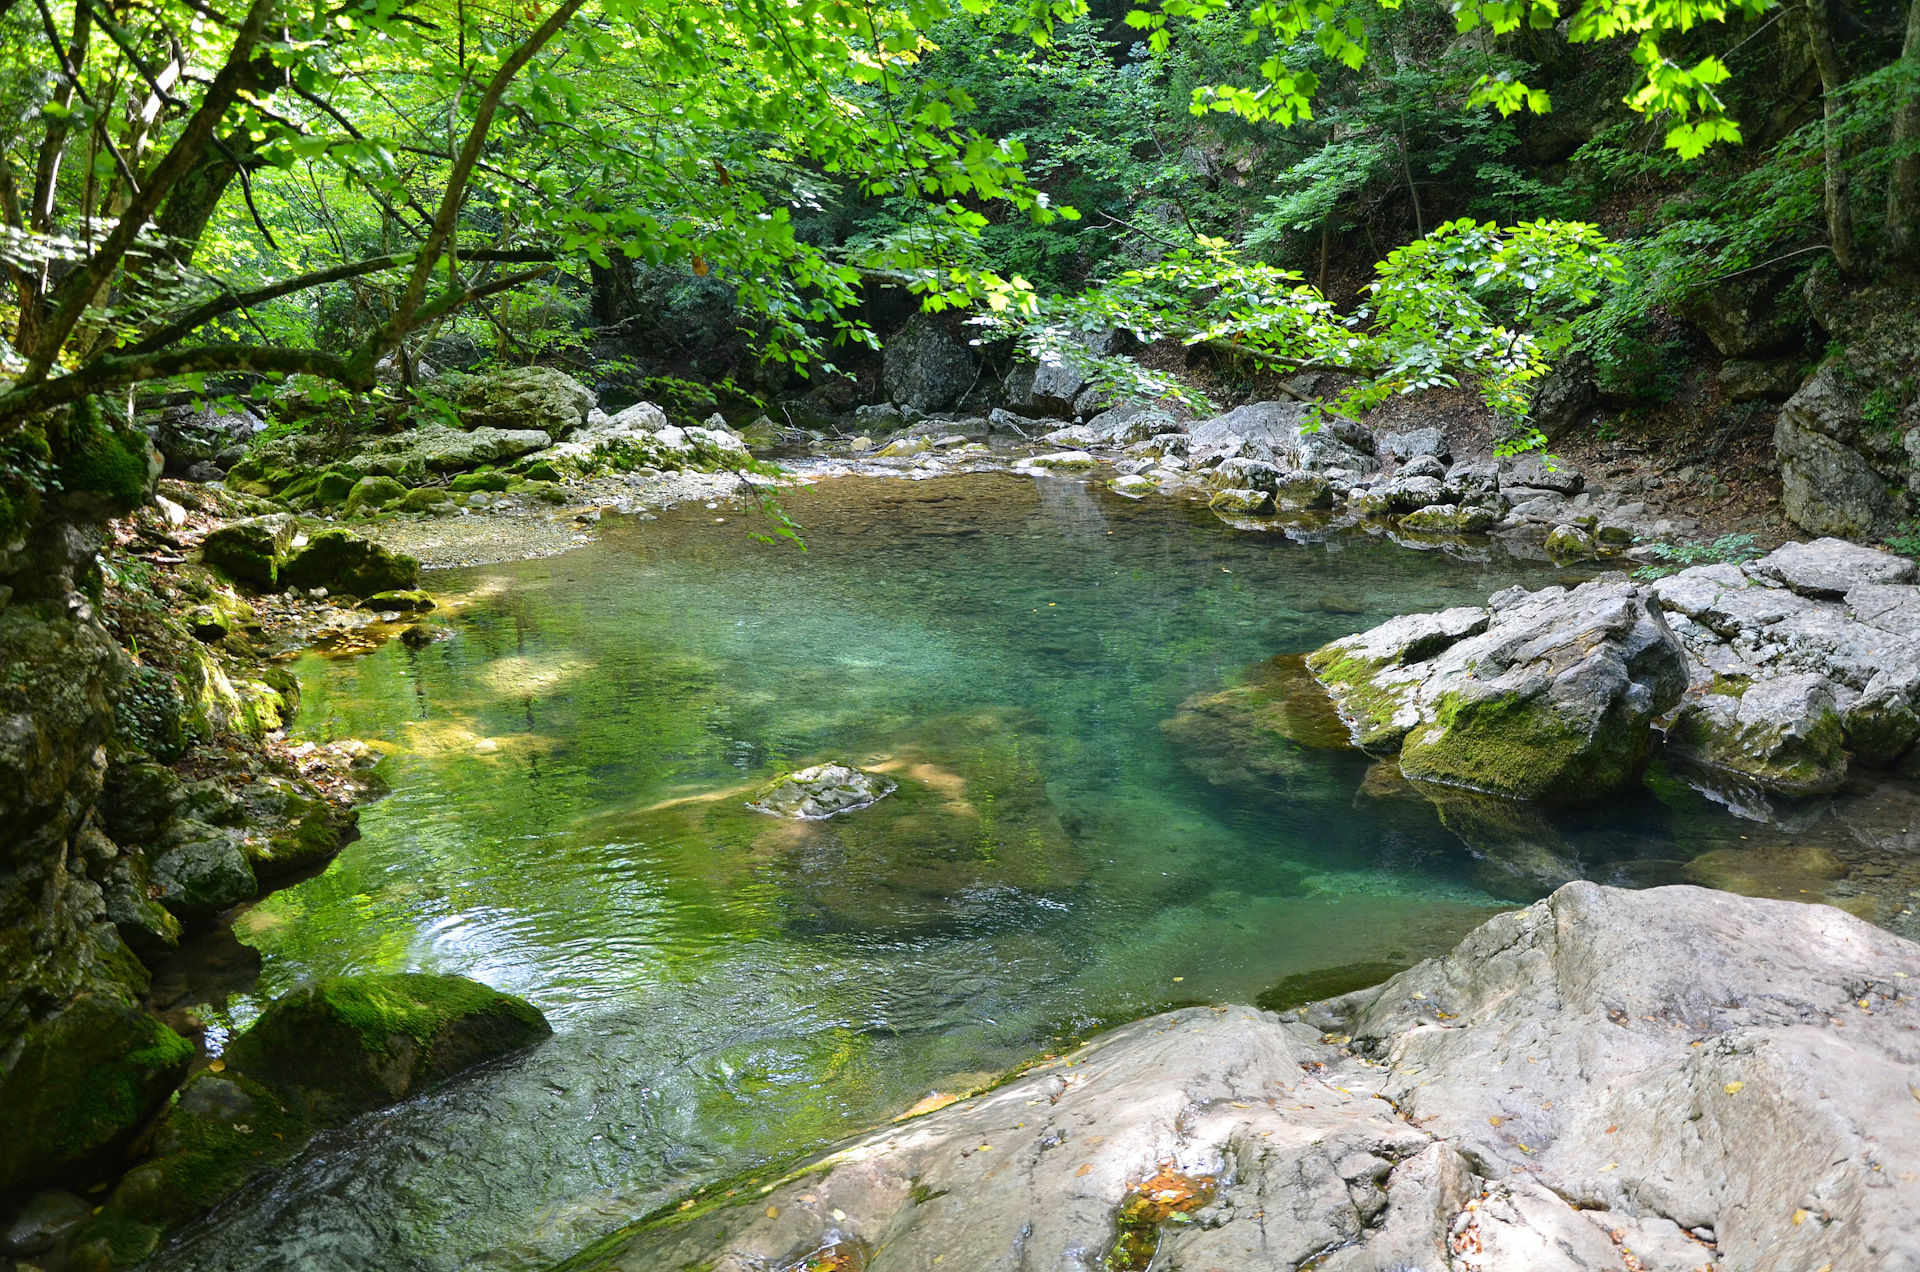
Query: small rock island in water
{"type": "Point", "coordinates": [974, 637]}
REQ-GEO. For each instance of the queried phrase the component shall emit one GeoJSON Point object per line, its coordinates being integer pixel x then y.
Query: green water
{"type": "Point", "coordinates": [728, 989]}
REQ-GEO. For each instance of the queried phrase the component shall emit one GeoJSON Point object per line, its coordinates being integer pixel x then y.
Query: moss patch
{"type": "Point", "coordinates": [1520, 749]}
{"type": "Point", "coordinates": [346, 1044]}
{"type": "Point", "coordinates": [1326, 982]}
{"type": "Point", "coordinates": [83, 1081]}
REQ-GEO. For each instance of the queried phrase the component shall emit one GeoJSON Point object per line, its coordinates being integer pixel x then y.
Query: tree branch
{"type": "Point", "coordinates": [79, 288]}
{"type": "Point", "coordinates": [230, 301]}
{"type": "Point", "coordinates": [402, 319]}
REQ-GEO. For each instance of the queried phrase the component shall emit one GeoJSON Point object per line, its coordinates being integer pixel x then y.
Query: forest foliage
{"type": "Point", "coordinates": [194, 192]}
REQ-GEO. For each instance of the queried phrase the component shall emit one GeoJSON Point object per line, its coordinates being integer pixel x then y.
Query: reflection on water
{"type": "Point", "coordinates": [728, 989]}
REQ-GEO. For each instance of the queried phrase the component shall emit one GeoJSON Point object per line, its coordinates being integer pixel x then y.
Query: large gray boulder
{"type": "Point", "coordinates": [1663, 1081]}
{"type": "Point", "coordinates": [191, 435]}
{"type": "Point", "coordinates": [1685, 1059]}
{"type": "Point", "coordinates": [1284, 434]}
{"type": "Point", "coordinates": [1546, 695]}
{"type": "Point", "coordinates": [925, 367]}
{"type": "Point", "coordinates": [1830, 612]}
{"type": "Point", "coordinates": [523, 398]}
{"type": "Point", "coordinates": [436, 448]}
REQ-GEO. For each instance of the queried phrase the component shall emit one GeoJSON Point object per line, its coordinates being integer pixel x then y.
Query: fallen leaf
{"type": "Point", "coordinates": [1178, 979]}
{"type": "Point", "coordinates": [773, 1212]}
{"type": "Point", "coordinates": [1493, 1121]}
{"type": "Point", "coordinates": [1799, 1217]}
{"type": "Point", "coordinates": [1733, 1088]}
{"type": "Point", "coordinates": [1523, 1148]}
{"type": "Point", "coordinates": [1612, 1129]}
{"type": "Point", "coordinates": [1238, 1105]}
{"type": "Point", "coordinates": [218, 1066]}
{"type": "Point", "coordinates": [1609, 1166]}
{"type": "Point", "coordinates": [1085, 1169]}
{"type": "Point", "coordinates": [839, 1216]}
{"type": "Point", "coordinates": [687, 1204]}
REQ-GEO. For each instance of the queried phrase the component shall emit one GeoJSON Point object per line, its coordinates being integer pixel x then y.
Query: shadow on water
{"type": "Point", "coordinates": [1053, 674]}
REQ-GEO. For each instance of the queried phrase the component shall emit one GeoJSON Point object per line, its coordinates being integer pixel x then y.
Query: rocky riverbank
{"type": "Point", "coordinates": [1731, 1093]}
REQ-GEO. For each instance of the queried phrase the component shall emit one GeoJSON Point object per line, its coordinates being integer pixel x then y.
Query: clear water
{"type": "Point", "coordinates": [728, 989]}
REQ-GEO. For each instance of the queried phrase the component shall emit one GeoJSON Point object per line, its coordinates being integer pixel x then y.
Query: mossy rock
{"type": "Point", "coordinates": [370, 493]}
{"type": "Point", "coordinates": [83, 1082]}
{"type": "Point", "coordinates": [1325, 982]}
{"type": "Point", "coordinates": [346, 1044]}
{"type": "Point", "coordinates": [540, 470]}
{"type": "Point", "coordinates": [342, 562]}
{"type": "Point", "coordinates": [301, 829]}
{"type": "Point", "coordinates": [1519, 748]}
{"type": "Point", "coordinates": [222, 1131]}
{"type": "Point", "coordinates": [109, 466]}
{"type": "Point", "coordinates": [467, 483]}
{"type": "Point", "coordinates": [250, 551]}
{"type": "Point", "coordinates": [412, 602]}
{"type": "Point", "coordinates": [426, 499]}
{"type": "Point", "coordinates": [333, 487]}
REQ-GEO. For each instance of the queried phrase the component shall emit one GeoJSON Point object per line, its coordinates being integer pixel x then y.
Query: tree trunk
{"type": "Point", "coordinates": [1903, 184]}
{"type": "Point", "coordinates": [1839, 205]}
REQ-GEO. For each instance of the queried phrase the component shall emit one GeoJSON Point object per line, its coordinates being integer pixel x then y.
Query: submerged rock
{"type": "Point", "coordinates": [1232, 1139]}
{"type": "Point", "coordinates": [1256, 733]}
{"type": "Point", "coordinates": [1546, 695]}
{"type": "Point", "coordinates": [825, 790]}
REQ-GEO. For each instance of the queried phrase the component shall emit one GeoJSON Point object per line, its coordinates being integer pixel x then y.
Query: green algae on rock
{"type": "Point", "coordinates": [346, 1044]}
{"type": "Point", "coordinates": [318, 1056]}
{"type": "Point", "coordinates": [343, 562]}
{"type": "Point", "coordinates": [81, 1084]}
{"type": "Point", "coordinates": [1784, 734]}
{"type": "Point", "coordinates": [1546, 695]}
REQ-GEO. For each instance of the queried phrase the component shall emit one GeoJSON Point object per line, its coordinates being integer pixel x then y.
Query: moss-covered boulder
{"type": "Point", "coordinates": [333, 488]}
{"type": "Point", "coordinates": [295, 828]}
{"type": "Point", "coordinates": [523, 398]}
{"type": "Point", "coordinates": [427, 499]}
{"type": "Point", "coordinates": [1782, 735]}
{"type": "Point", "coordinates": [412, 602]}
{"type": "Point", "coordinates": [200, 870]}
{"type": "Point", "coordinates": [82, 1083]}
{"type": "Point", "coordinates": [250, 551]}
{"type": "Point", "coordinates": [1450, 519]}
{"type": "Point", "coordinates": [343, 1045]}
{"type": "Point", "coordinates": [343, 562]}
{"type": "Point", "coordinates": [372, 493]}
{"type": "Point", "coordinates": [467, 483]}
{"type": "Point", "coordinates": [1546, 695]}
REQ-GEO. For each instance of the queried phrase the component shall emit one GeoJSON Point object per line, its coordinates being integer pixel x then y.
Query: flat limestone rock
{"type": "Point", "coordinates": [825, 790]}
{"type": "Point", "coordinates": [1657, 1081]}
{"type": "Point", "coordinates": [1830, 568]}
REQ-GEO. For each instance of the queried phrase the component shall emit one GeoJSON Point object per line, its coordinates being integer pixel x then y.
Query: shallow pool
{"type": "Point", "coordinates": [728, 989]}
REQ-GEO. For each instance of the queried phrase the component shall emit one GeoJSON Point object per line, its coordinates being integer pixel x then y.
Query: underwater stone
{"type": "Point", "coordinates": [822, 791]}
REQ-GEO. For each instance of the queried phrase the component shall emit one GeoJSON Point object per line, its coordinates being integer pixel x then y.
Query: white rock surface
{"type": "Point", "coordinates": [1659, 1081]}
{"type": "Point", "coordinates": [825, 790]}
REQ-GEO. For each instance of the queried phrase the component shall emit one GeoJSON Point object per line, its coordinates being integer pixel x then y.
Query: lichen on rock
{"type": "Point", "coordinates": [821, 791]}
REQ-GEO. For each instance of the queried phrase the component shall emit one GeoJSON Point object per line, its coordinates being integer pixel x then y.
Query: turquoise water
{"type": "Point", "coordinates": [727, 989]}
